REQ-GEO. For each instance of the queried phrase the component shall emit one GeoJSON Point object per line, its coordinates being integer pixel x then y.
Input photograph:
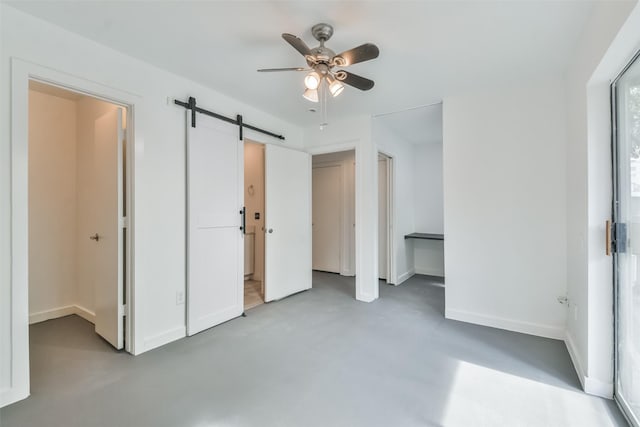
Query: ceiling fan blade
{"type": "Point", "coordinates": [271, 70]}
{"type": "Point", "coordinates": [361, 53]}
{"type": "Point", "coordinates": [354, 80]}
{"type": "Point", "coordinates": [297, 43]}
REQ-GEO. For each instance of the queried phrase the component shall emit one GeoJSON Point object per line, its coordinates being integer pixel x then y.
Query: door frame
{"type": "Point", "coordinates": [21, 73]}
{"type": "Point", "coordinates": [620, 401]}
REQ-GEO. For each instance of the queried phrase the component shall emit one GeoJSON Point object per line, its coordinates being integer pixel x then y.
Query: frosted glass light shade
{"type": "Point", "coordinates": [311, 95]}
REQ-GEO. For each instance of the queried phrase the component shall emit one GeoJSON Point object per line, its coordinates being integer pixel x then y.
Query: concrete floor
{"type": "Point", "coordinates": [318, 358]}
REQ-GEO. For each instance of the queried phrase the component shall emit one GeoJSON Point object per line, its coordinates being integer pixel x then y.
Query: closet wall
{"type": "Point", "coordinates": [52, 202]}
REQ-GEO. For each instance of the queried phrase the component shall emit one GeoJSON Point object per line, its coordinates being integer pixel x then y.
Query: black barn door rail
{"type": "Point", "coordinates": [191, 105]}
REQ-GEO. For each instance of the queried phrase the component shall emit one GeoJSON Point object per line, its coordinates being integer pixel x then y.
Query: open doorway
{"type": "Point", "coordinates": [333, 212]}
{"type": "Point", "coordinates": [77, 214]}
{"type": "Point", "coordinates": [254, 237]}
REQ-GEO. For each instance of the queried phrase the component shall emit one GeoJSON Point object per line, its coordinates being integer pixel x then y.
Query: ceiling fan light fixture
{"type": "Point", "coordinates": [311, 95]}
{"type": "Point", "coordinates": [312, 80]}
{"type": "Point", "coordinates": [335, 87]}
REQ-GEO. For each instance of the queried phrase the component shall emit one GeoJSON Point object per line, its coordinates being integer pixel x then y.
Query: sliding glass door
{"type": "Point", "coordinates": [626, 106]}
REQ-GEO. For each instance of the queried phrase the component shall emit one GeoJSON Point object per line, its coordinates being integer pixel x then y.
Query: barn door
{"type": "Point", "coordinates": [215, 254]}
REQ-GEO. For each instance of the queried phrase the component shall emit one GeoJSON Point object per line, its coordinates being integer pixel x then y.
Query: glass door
{"type": "Point", "coordinates": [626, 232]}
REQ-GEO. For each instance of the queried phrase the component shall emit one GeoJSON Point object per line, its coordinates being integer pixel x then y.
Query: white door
{"type": "Point", "coordinates": [215, 248]}
{"type": "Point", "coordinates": [107, 216]}
{"type": "Point", "coordinates": [382, 219]}
{"type": "Point", "coordinates": [287, 222]}
{"type": "Point", "coordinates": [327, 218]}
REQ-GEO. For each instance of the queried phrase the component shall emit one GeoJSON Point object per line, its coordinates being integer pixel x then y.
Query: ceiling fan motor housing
{"type": "Point", "coordinates": [322, 32]}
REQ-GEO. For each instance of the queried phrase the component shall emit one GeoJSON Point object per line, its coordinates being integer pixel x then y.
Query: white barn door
{"type": "Point", "coordinates": [287, 222]}
{"type": "Point", "coordinates": [215, 250]}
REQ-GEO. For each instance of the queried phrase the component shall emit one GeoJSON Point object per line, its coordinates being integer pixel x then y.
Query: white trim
{"type": "Point", "coordinates": [164, 338]}
{"type": "Point", "coordinates": [598, 388]}
{"type": "Point", "coordinates": [67, 310]}
{"type": "Point", "coordinates": [429, 271]}
{"type": "Point", "coordinates": [546, 331]}
{"type": "Point", "coordinates": [405, 276]}
{"type": "Point", "coordinates": [575, 358]}
{"type": "Point", "coordinates": [85, 313]}
{"type": "Point", "coordinates": [54, 313]}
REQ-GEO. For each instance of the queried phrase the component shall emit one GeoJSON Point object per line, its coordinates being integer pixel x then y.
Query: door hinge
{"type": "Point", "coordinates": [619, 237]}
{"type": "Point", "coordinates": [123, 310]}
{"type": "Point", "coordinates": [124, 222]}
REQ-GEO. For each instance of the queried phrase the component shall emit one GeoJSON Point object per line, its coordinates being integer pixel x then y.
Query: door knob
{"type": "Point", "coordinates": [270, 230]}
{"type": "Point", "coordinates": [95, 237]}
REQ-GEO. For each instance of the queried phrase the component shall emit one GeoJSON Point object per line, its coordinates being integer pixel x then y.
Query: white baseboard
{"type": "Point", "coordinates": [53, 313]}
{"type": "Point", "coordinates": [86, 314]}
{"type": "Point", "coordinates": [536, 329]}
{"type": "Point", "coordinates": [405, 276]}
{"type": "Point", "coordinates": [598, 388]}
{"type": "Point", "coordinates": [163, 338]}
{"type": "Point", "coordinates": [589, 385]}
{"type": "Point", "coordinates": [429, 271]}
{"type": "Point", "coordinates": [58, 312]}
{"type": "Point", "coordinates": [575, 358]}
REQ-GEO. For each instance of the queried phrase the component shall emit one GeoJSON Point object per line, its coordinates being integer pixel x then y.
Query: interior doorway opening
{"type": "Point", "coordinates": [333, 212]}
{"type": "Point", "coordinates": [254, 237]}
{"type": "Point", "coordinates": [78, 215]}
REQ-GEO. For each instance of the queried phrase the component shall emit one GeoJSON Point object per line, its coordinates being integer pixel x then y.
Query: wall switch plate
{"type": "Point", "coordinates": [179, 297]}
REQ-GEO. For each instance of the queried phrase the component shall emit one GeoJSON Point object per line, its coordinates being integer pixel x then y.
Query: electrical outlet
{"type": "Point", "coordinates": [179, 297]}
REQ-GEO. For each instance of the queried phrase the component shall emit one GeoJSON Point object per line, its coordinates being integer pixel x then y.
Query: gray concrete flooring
{"type": "Point", "coordinates": [318, 358]}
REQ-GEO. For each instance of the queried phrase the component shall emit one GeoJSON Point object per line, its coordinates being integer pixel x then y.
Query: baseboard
{"type": "Point", "coordinates": [86, 314]}
{"type": "Point", "coordinates": [429, 271]}
{"type": "Point", "coordinates": [575, 358]}
{"type": "Point", "coordinates": [12, 395]}
{"type": "Point", "coordinates": [536, 329]}
{"type": "Point", "coordinates": [589, 385]}
{"type": "Point", "coordinates": [163, 338]}
{"type": "Point", "coordinates": [53, 313]}
{"type": "Point", "coordinates": [598, 388]}
{"type": "Point", "coordinates": [405, 276]}
{"type": "Point", "coordinates": [67, 310]}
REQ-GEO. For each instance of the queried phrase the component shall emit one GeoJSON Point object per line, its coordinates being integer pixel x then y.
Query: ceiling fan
{"type": "Point", "coordinates": [322, 62]}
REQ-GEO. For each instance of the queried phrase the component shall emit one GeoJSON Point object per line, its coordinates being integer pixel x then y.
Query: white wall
{"type": "Point", "coordinates": [254, 201]}
{"type": "Point", "coordinates": [52, 201]}
{"type": "Point", "coordinates": [159, 177]}
{"type": "Point", "coordinates": [589, 328]}
{"type": "Point", "coordinates": [504, 186]}
{"type": "Point", "coordinates": [88, 110]}
{"type": "Point", "coordinates": [403, 178]}
{"type": "Point", "coordinates": [347, 161]}
{"type": "Point", "coordinates": [429, 208]}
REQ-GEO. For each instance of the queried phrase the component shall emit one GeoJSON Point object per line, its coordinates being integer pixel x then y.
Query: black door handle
{"type": "Point", "coordinates": [243, 227]}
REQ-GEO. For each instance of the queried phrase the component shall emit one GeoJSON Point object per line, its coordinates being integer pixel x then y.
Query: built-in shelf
{"type": "Point", "coordinates": [424, 236]}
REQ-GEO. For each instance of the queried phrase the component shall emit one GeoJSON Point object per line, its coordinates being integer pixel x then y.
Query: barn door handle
{"type": "Point", "coordinates": [243, 227]}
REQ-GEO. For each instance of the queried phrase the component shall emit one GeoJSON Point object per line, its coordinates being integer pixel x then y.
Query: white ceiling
{"type": "Point", "coordinates": [428, 49]}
